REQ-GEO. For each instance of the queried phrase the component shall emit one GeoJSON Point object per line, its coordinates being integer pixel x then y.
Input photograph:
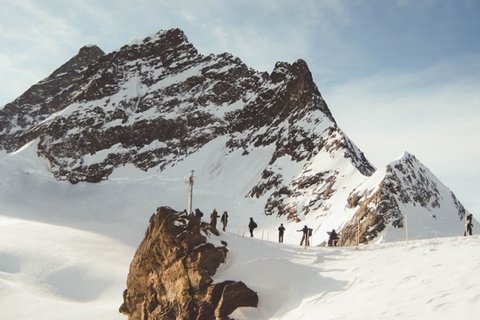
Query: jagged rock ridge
{"type": "Point", "coordinates": [170, 274]}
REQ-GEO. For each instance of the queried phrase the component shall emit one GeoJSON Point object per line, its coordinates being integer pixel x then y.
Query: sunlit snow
{"type": "Point", "coordinates": [65, 249]}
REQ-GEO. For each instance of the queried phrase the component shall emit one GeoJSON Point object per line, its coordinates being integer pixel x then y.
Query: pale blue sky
{"type": "Point", "coordinates": [397, 75]}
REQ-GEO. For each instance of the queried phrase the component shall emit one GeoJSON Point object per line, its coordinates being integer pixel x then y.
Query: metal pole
{"type": "Point", "coordinates": [190, 192]}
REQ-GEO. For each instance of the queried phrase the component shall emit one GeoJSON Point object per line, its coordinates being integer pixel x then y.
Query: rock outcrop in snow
{"type": "Point", "coordinates": [170, 275]}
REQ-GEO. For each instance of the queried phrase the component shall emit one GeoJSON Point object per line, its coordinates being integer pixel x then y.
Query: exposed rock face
{"type": "Point", "coordinates": [170, 275]}
{"type": "Point", "coordinates": [404, 185]}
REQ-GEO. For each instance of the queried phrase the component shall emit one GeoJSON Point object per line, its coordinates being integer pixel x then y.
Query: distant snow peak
{"type": "Point", "coordinates": [405, 188]}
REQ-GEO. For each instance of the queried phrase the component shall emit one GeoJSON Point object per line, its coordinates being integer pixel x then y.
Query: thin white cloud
{"type": "Point", "coordinates": [260, 33]}
{"type": "Point", "coordinates": [393, 106]}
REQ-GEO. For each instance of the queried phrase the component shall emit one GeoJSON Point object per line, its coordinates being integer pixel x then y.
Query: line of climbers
{"type": "Point", "coordinates": [252, 225]}
{"type": "Point", "coordinates": [306, 231]}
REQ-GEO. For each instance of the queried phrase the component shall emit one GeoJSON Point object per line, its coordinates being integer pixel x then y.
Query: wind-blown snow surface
{"type": "Point", "coordinates": [65, 250]}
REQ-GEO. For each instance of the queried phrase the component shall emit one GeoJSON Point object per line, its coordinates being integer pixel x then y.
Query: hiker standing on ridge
{"type": "Point", "coordinates": [195, 219]}
{"type": "Point", "coordinates": [198, 214]}
{"type": "Point", "coordinates": [304, 236]}
{"type": "Point", "coordinates": [224, 220]}
{"type": "Point", "coordinates": [281, 230]}
{"type": "Point", "coordinates": [251, 225]}
{"type": "Point", "coordinates": [213, 218]}
{"type": "Point", "coordinates": [468, 224]}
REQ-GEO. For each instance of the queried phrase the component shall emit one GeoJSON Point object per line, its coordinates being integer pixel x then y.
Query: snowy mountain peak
{"type": "Point", "coordinates": [404, 188]}
{"type": "Point", "coordinates": [165, 45]}
{"type": "Point", "coordinates": [407, 156]}
{"type": "Point", "coordinates": [173, 35]}
{"type": "Point", "coordinates": [157, 105]}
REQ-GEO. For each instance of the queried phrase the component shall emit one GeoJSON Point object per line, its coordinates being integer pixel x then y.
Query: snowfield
{"type": "Point", "coordinates": [53, 272]}
{"type": "Point", "coordinates": [422, 279]}
{"type": "Point", "coordinates": [65, 250]}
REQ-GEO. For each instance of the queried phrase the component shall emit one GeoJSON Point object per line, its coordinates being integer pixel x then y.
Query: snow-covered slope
{"type": "Point", "coordinates": [65, 250]}
{"type": "Point", "coordinates": [52, 272]}
{"type": "Point", "coordinates": [422, 279]}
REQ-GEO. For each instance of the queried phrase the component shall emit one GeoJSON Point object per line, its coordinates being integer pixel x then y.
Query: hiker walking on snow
{"type": "Point", "coordinates": [332, 239]}
{"type": "Point", "coordinates": [468, 224]}
{"type": "Point", "coordinates": [251, 225]}
{"type": "Point", "coordinates": [281, 230]}
{"type": "Point", "coordinates": [224, 219]}
{"type": "Point", "coordinates": [304, 236]}
{"type": "Point", "coordinates": [213, 218]}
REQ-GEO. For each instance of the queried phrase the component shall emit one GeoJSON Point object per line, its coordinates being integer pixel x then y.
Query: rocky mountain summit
{"type": "Point", "coordinates": [170, 275]}
{"type": "Point", "coordinates": [157, 103]}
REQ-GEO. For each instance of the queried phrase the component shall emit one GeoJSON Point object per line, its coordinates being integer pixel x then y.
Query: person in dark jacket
{"type": "Point", "coordinates": [213, 218]}
{"type": "Point", "coordinates": [281, 230]}
{"type": "Point", "coordinates": [304, 236]}
{"type": "Point", "coordinates": [251, 225]}
{"type": "Point", "coordinates": [197, 216]}
{"type": "Point", "coordinates": [194, 221]}
{"type": "Point", "coordinates": [333, 238]}
{"type": "Point", "coordinates": [224, 220]}
{"type": "Point", "coordinates": [468, 224]}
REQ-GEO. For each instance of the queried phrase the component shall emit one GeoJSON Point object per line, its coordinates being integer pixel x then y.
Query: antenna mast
{"type": "Point", "coordinates": [190, 181]}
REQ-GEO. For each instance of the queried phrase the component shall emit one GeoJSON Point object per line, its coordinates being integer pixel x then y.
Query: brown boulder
{"type": "Point", "coordinates": [170, 275]}
{"type": "Point", "coordinates": [235, 295]}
